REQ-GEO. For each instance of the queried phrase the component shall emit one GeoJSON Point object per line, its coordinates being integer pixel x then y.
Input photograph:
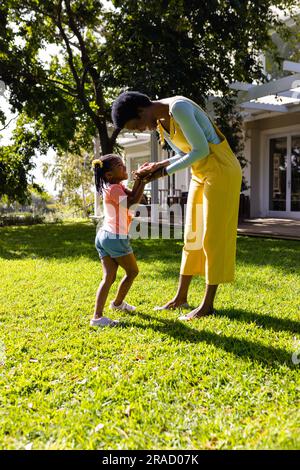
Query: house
{"type": "Point", "coordinates": [272, 144]}
{"type": "Point", "coordinates": [272, 147]}
{"type": "Point", "coordinates": [271, 113]}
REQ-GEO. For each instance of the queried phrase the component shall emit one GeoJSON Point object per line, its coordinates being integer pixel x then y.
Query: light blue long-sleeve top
{"type": "Point", "coordinates": [198, 131]}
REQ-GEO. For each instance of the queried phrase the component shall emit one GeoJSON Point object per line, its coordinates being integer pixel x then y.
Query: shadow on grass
{"type": "Point", "coordinates": [55, 241]}
{"type": "Point", "coordinates": [61, 241]}
{"type": "Point", "coordinates": [72, 240]}
{"type": "Point", "coordinates": [265, 355]}
{"type": "Point", "coordinates": [263, 320]}
{"type": "Point", "coordinates": [283, 254]}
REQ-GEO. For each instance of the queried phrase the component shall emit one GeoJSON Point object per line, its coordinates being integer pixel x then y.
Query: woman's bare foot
{"type": "Point", "coordinates": [174, 303]}
{"type": "Point", "coordinates": [202, 311]}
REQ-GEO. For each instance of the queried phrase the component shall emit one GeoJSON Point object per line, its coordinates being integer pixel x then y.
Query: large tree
{"type": "Point", "coordinates": [67, 90]}
{"type": "Point", "coordinates": [160, 47]}
{"type": "Point", "coordinates": [188, 47]}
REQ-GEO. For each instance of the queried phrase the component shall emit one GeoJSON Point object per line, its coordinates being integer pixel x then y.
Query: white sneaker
{"type": "Point", "coordinates": [103, 321]}
{"type": "Point", "coordinates": [124, 306]}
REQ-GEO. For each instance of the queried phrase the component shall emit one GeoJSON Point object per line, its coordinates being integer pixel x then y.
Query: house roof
{"type": "Point", "coordinates": [276, 96]}
{"type": "Point", "coordinates": [128, 139]}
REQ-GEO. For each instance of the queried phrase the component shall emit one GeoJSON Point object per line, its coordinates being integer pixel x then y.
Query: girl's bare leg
{"type": "Point", "coordinates": [110, 268]}
{"type": "Point", "coordinates": [128, 263]}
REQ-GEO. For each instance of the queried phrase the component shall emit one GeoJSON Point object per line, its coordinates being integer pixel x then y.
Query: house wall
{"type": "Point", "coordinates": [255, 173]}
{"type": "Point", "coordinates": [255, 132]}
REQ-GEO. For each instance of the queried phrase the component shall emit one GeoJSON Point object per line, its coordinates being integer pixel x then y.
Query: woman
{"type": "Point", "coordinates": [213, 199]}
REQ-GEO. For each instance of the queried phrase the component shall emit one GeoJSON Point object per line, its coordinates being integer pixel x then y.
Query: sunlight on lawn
{"type": "Point", "coordinates": [223, 382]}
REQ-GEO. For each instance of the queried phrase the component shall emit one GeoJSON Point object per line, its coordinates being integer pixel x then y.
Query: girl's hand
{"type": "Point", "coordinates": [138, 175]}
{"type": "Point", "coordinates": [147, 168]}
{"type": "Point", "coordinates": [146, 164]}
{"type": "Point", "coordinates": [158, 173]}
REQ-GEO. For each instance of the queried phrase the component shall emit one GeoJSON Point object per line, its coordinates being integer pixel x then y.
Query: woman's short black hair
{"type": "Point", "coordinates": [126, 106]}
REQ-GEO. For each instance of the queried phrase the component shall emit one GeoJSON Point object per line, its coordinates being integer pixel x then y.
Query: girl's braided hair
{"type": "Point", "coordinates": [101, 166]}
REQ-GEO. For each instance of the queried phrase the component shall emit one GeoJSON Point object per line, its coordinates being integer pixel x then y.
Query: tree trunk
{"type": "Point", "coordinates": [84, 201]}
{"type": "Point", "coordinates": [106, 145]}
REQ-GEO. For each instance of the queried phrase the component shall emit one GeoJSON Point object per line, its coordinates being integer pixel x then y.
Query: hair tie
{"type": "Point", "coordinates": [97, 162]}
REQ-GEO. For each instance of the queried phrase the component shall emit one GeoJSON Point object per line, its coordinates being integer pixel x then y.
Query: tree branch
{"type": "Point", "coordinates": [6, 125]}
{"type": "Point", "coordinates": [85, 56]}
{"type": "Point", "coordinates": [79, 85]}
{"type": "Point", "coordinates": [75, 45]}
{"type": "Point", "coordinates": [114, 135]}
{"type": "Point", "coordinates": [74, 28]}
{"type": "Point", "coordinates": [67, 88]}
{"type": "Point", "coordinates": [67, 43]}
{"type": "Point", "coordinates": [88, 68]}
{"type": "Point", "coordinates": [85, 72]}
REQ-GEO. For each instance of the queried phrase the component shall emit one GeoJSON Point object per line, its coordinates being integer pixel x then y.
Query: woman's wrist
{"type": "Point", "coordinates": [164, 163]}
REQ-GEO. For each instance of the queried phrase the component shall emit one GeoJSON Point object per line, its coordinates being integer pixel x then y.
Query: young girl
{"type": "Point", "coordinates": [112, 241]}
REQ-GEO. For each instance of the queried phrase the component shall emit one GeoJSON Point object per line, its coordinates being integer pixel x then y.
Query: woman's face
{"type": "Point", "coordinates": [145, 121]}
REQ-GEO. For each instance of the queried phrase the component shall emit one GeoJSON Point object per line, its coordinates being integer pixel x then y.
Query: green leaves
{"type": "Point", "coordinates": [64, 61]}
{"type": "Point", "coordinates": [14, 168]}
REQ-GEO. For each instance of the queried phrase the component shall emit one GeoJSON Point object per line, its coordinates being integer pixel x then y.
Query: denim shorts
{"type": "Point", "coordinates": [112, 244]}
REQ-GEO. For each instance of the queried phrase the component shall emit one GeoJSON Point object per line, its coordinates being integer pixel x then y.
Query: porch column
{"type": "Point", "coordinates": [154, 184]}
{"type": "Point", "coordinates": [255, 194]}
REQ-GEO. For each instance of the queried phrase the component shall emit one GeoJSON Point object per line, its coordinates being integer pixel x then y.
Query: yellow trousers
{"type": "Point", "coordinates": [212, 215]}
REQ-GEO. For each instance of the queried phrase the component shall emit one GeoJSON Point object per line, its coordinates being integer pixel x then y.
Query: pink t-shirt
{"type": "Point", "coordinates": [117, 217]}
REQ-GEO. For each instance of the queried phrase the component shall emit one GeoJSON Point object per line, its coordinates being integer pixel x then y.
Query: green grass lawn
{"type": "Point", "coordinates": [222, 382]}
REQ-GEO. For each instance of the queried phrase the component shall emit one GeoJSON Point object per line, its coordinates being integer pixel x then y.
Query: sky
{"type": "Point", "coordinates": [5, 139]}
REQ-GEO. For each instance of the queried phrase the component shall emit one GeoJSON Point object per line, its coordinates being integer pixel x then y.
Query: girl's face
{"type": "Point", "coordinates": [117, 171]}
{"type": "Point", "coordinates": [145, 121]}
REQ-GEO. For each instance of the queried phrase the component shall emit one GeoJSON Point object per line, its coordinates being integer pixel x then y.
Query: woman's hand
{"type": "Point", "coordinates": [145, 170]}
{"type": "Point", "coordinates": [158, 173]}
{"type": "Point", "coordinates": [148, 168]}
{"type": "Point", "coordinates": [138, 175]}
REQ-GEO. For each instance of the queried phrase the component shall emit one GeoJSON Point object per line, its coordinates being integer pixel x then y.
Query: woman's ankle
{"type": "Point", "coordinates": [181, 300]}
{"type": "Point", "coordinates": [206, 307]}
{"type": "Point", "coordinates": [177, 301]}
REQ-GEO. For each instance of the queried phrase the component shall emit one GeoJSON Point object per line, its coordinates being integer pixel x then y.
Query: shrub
{"type": "Point", "coordinates": [21, 219]}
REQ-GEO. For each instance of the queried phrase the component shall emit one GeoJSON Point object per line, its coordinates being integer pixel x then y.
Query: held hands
{"type": "Point", "coordinates": [150, 171]}
{"type": "Point", "coordinates": [146, 169]}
